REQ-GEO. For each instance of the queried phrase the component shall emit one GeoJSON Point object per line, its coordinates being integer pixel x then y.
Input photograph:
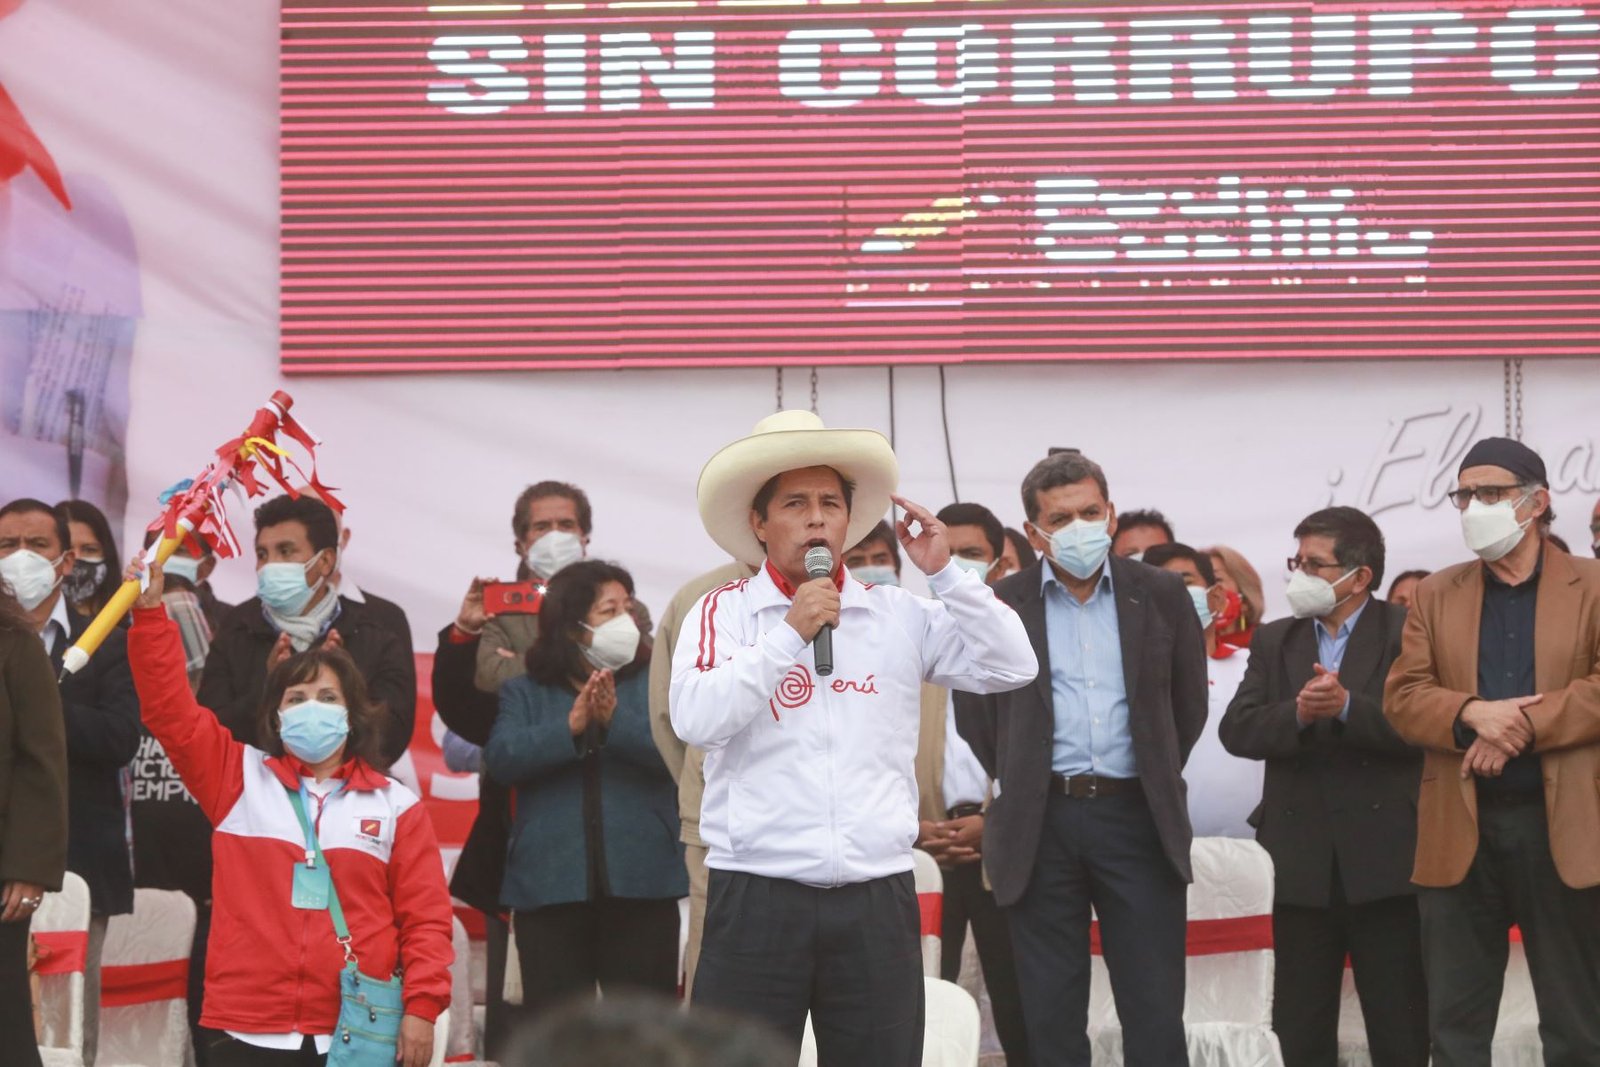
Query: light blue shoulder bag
{"type": "Point", "coordinates": [369, 1008]}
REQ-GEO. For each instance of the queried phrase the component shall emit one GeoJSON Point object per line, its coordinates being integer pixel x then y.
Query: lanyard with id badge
{"type": "Point", "coordinates": [370, 1009]}
{"type": "Point", "coordinates": [313, 882]}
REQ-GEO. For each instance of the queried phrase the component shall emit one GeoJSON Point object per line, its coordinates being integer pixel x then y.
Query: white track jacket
{"type": "Point", "coordinates": [807, 778]}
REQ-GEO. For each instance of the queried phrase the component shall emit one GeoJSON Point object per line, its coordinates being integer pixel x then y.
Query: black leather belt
{"type": "Point", "coordinates": [1087, 786]}
{"type": "Point", "coordinates": [961, 811]}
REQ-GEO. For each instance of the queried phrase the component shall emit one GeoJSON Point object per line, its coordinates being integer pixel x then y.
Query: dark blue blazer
{"type": "Point", "coordinates": [549, 862]}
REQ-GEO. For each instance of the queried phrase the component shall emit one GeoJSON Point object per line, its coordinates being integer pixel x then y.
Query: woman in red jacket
{"type": "Point", "coordinates": [272, 973]}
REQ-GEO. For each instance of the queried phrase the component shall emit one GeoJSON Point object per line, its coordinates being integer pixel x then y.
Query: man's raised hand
{"type": "Point", "coordinates": [929, 549]}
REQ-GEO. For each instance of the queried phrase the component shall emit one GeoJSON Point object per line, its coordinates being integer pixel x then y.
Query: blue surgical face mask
{"type": "Point", "coordinates": [1080, 546]}
{"type": "Point", "coordinates": [283, 588]}
{"type": "Point", "coordinates": [976, 566]}
{"type": "Point", "coordinates": [182, 565]}
{"type": "Point", "coordinates": [313, 731]}
{"type": "Point", "coordinates": [876, 575]}
{"type": "Point", "coordinates": [1202, 604]}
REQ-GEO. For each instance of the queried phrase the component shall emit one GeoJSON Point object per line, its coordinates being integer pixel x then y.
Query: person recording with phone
{"type": "Point", "coordinates": [803, 686]}
{"type": "Point", "coordinates": [552, 522]}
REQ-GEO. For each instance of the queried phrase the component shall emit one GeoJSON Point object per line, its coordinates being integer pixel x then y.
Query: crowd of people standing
{"type": "Point", "coordinates": [1082, 695]}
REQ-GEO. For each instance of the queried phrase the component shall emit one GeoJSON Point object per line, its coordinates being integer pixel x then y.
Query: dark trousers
{"type": "Point", "coordinates": [203, 1039]}
{"type": "Point", "coordinates": [1383, 939]}
{"type": "Point", "coordinates": [1105, 852]}
{"type": "Point", "coordinates": [967, 901]}
{"type": "Point", "coordinates": [16, 1003]}
{"type": "Point", "coordinates": [851, 955]}
{"type": "Point", "coordinates": [226, 1051]}
{"type": "Point", "coordinates": [499, 1017]}
{"type": "Point", "coordinates": [1465, 943]}
{"type": "Point", "coordinates": [566, 949]}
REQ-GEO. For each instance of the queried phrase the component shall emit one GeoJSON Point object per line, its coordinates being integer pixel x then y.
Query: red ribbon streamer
{"type": "Point", "coordinates": [932, 907]}
{"type": "Point", "coordinates": [144, 983]}
{"type": "Point", "coordinates": [62, 951]}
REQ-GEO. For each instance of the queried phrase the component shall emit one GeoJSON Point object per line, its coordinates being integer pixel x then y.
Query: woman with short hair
{"type": "Point", "coordinates": [306, 830]}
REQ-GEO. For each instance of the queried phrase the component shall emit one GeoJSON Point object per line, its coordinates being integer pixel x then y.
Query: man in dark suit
{"type": "Point", "coordinates": [298, 535]}
{"type": "Point", "coordinates": [1337, 812]}
{"type": "Point", "coordinates": [101, 713]}
{"type": "Point", "coordinates": [1091, 809]}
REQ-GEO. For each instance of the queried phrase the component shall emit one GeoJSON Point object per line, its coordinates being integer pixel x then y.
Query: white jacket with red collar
{"type": "Point", "coordinates": [811, 779]}
{"type": "Point", "coordinates": [271, 967]}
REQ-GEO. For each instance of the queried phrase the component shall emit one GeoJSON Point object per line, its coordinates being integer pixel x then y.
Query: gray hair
{"type": "Point", "coordinates": [1055, 470]}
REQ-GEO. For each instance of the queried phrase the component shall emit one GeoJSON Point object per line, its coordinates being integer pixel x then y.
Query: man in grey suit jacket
{"type": "Point", "coordinates": [1338, 810]}
{"type": "Point", "coordinates": [1091, 809]}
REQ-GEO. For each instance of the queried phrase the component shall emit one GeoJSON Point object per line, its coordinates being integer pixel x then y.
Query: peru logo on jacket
{"type": "Point", "coordinates": [372, 829]}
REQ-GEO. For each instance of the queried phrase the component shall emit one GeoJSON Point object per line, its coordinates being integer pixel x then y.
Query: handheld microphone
{"type": "Point", "coordinates": [819, 564]}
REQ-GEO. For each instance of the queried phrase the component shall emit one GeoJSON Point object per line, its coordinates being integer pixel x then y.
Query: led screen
{"type": "Point", "coordinates": [768, 182]}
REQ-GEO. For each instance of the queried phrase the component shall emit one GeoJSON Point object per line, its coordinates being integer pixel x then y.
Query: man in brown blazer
{"type": "Point", "coordinates": [1499, 681]}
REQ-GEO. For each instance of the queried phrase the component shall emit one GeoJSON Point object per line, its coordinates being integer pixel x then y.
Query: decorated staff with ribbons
{"type": "Point", "coordinates": [810, 805]}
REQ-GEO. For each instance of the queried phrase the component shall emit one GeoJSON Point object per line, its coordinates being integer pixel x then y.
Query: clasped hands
{"type": "Point", "coordinates": [1503, 731]}
{"type": "Point", "coordinates": [1320, 698]}
{"type": "Point", "coordinates": [952, 842]}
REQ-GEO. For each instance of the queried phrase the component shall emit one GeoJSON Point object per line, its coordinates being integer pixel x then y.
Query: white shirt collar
{"type": "Point", "coordinates": [58, 614]}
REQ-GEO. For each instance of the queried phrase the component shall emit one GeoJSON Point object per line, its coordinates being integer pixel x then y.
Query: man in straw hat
{"type": "Point", "coordinates": [810, 805]}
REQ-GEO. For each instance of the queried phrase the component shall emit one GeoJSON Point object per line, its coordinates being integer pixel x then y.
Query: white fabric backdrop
{"type": "Point", "coordinates": [173, 106]}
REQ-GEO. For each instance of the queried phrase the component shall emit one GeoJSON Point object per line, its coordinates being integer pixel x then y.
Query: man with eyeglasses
{"type": "Point", "coordinates": [1336, 807]}
{"type": "Point", "coordinates": [1499, 681]}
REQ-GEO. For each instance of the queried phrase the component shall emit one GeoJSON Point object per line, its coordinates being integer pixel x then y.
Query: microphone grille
{"type": "Point", "coordinates": [819, 562]}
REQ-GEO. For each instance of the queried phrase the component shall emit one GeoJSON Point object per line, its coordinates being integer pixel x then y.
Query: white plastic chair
{"type": "Point", "coordinates": [950, 1032]}
{"type": "Point", "coordinates": [1516, 1033]}
{"type": "Point", "coordinates": [441, 1031]}
{"type": "Point", "coordinates": [512, 989]}
{"type": "Point", "coordinates": [159, 934]}
{"type": "Point", "coordinates": [1227, 1011]}
{"type": "Point", "coordinates": [65, 913]}
{"type": "Point", "coordinates": [929, 880]}
{"type": "Point", "coordinates": [460, 1038]}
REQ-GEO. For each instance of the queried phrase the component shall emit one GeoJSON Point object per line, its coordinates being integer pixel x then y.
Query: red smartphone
{"type": "Point", "coordinates": [512, 598]}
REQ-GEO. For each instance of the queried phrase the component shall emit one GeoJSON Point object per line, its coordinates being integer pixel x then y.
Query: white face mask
{"type": "Point", "coordinates": [1492, 530]}
{"type": "Point", "coordinates": [1311, 597]}
{"type": "Point", "coordinates": [32, 578]}
{"type": "Point", "coordinates": [1202, 604]}
{"type": "Point", "coordinates": [614, 642]}
{"type": "Point", "coordinates": [552, 551]}
{"type": "Point", "coordinates": [875, 575]}
{"type": "Point", "coordinates": [976, 566]}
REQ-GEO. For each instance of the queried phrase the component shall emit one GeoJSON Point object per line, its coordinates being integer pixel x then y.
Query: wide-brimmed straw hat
{"type": "Point", "coordinates": [787, 441]}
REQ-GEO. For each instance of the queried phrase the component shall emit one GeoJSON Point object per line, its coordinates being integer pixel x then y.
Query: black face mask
{"type": "Point", "coordinates": [84, 579]}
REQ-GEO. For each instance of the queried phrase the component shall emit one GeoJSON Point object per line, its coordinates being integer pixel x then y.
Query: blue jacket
{"type": "Point", "coordinates": [532, 750]}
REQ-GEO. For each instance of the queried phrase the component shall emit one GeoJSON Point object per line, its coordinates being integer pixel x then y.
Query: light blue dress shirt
{"type": "Point", "coordinates": [1089, 694]}
{"type": "Point", "coordinates": [1331, 646]}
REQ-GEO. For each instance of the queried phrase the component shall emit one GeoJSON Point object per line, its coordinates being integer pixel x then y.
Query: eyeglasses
{"type": "Point", "coordinates": [1483, 494]}
{"type": "Point", "coordinates": [1295, 563]}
